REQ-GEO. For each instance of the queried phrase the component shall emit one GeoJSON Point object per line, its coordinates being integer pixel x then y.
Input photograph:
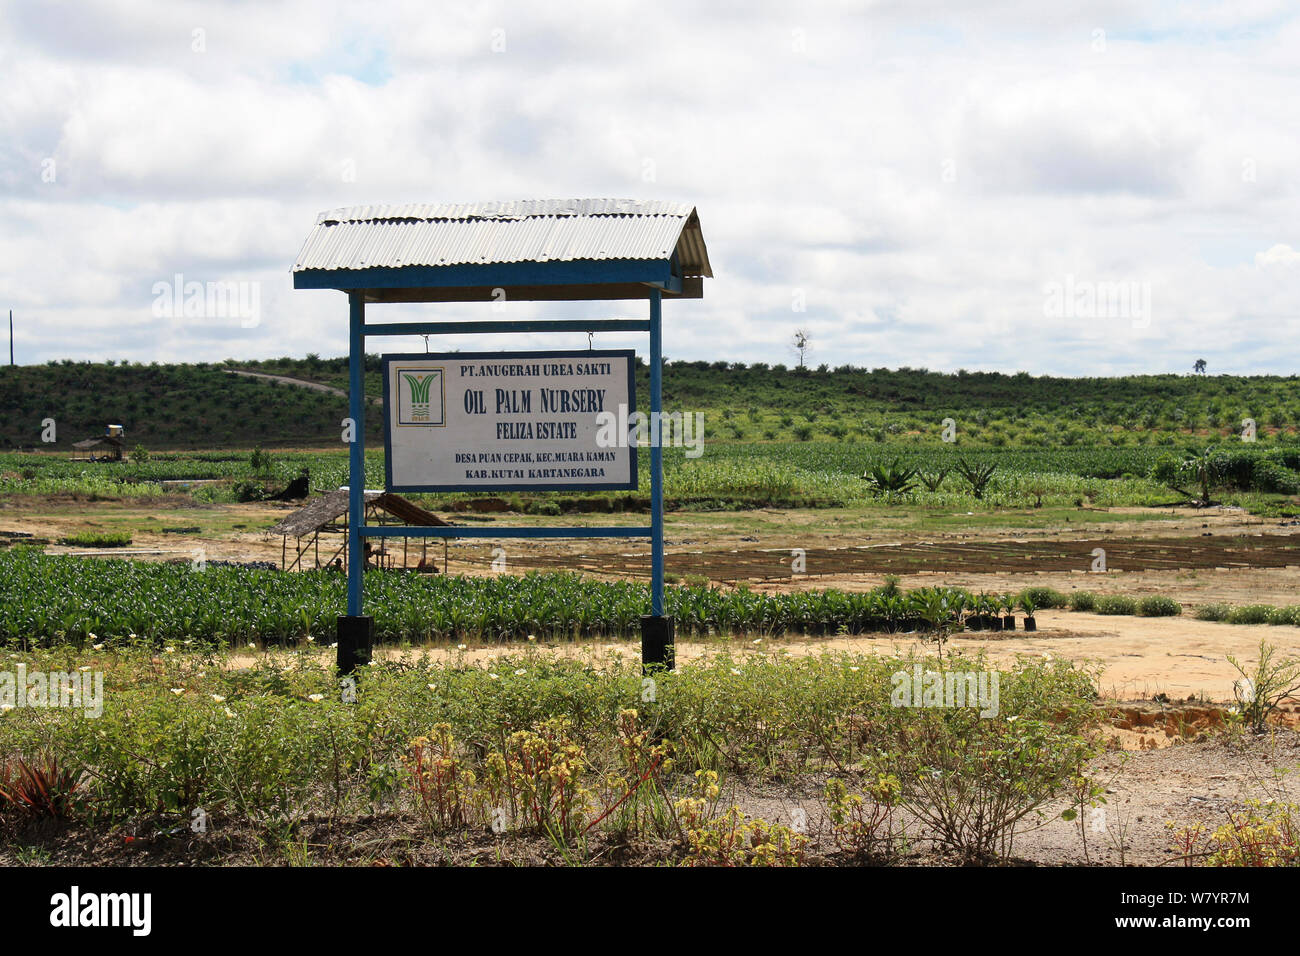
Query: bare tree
{"type": "Point", "coordinates": [802, 344]}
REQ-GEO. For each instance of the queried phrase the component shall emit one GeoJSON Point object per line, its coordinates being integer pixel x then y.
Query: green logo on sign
{"type": "Point", "coordinates": [418, 410]}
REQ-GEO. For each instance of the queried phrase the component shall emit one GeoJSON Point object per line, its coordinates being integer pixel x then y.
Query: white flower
{"type": "Point", "coordinates": [316, 697]}
{"type": "Point", "coordinates": [520, 672]}
{"type": "Point", "coordinates": [854, 668]}
{"type": "Point", "coordinates": [170, 650]}
{"type": "Point", "coordinates": [757, 640]}
{"type": "Point", "coordinates": [432, 687]}
{"type": "Point", "coordinates": [229, 712]}
{"type": "Point", "coordinates": [460, 647]}
{"type": "Point", "coordinates": [735, 671]}
{"type": "Point", "coordinates": [310, 639]}
{"type": "Point", "coordinates": [83, 669]}
{"type": "Point", "coordinates": [94, 638]}
{"type": "Point", "coordinates": [495, 676]}
{"type": "Point", "coordinates": [532, 637]}
{"type": "Point", "coordinates": [218, 698]}
{"type": "Point", "coordinates": [178, 690]}
{"type": "Point", "coordinates": [5, 708]}
{"type": "Point", "coordinates": [98, 647]}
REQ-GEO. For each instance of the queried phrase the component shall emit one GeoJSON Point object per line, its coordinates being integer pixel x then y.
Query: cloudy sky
{"type": "Point", "coordinates": [1069, 188]}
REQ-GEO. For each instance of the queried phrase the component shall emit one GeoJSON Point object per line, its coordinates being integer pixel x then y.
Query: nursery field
{"type": "Point", "coordinates": [1113, 553]}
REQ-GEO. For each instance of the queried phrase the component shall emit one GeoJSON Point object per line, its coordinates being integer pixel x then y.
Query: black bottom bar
{"type": "Point", "coordinates": [658, 639]}
{"type": "Point", "coordinates": [356, 643]}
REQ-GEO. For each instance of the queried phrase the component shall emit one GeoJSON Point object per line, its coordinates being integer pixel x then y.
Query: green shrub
{"type": "Point", "coordinates": [1083, 601]}
{"type": "Point", "coordinates": [1116, 604]}
{"type": "Point", "coordinates": [1269, 476]}
{"type": "Point", "coordinates": [1157, 605]}
{"type": "Point", "coordinates": [1043, 597]}
{"type": "Point", "coordinates": [1250, 614]}
{"type": "Point", "coordinates": [1285, 615]}
{"type": "Point", "coordinates": [1213, 612]}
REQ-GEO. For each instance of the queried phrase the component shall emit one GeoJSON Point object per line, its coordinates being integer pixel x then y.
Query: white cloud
{"type": "Point", "coordinates": [919, 170]}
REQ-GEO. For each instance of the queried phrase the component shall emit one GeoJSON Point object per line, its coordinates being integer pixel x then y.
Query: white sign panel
{"type": "Point", "coordinates": [507, 421]}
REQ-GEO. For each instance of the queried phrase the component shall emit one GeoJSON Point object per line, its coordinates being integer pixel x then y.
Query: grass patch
{"type": "Point", "coordinates": [97, 539]}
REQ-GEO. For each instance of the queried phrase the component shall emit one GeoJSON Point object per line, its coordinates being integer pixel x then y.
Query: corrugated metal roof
{"type": "Point", "coordinates": [546, 230]}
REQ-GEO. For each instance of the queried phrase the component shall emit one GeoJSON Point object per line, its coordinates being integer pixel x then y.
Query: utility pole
{"type": "Point", "coordinates": [11, 338]}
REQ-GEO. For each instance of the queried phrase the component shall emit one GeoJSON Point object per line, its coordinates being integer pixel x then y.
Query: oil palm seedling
{"type": "Point", "coordinates": [934, 479]}
{"type": "Point", "coordinates": [889, 480]}
{"type": "Point", "coordinates": [977, 475]}
{"type": "Point", "coordinates": [1008, 606]}
{"type": "Point", "coordinates": [1029, 606]}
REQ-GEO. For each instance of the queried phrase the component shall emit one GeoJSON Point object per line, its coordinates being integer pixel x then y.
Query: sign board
{"type": "Point", "coordinates": [509, 421]}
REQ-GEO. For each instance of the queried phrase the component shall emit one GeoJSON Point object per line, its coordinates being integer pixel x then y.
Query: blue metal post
{"type": "Point", "coordinates": [656, 456]}
{"type": "Point", "coordinates": [357, 450]}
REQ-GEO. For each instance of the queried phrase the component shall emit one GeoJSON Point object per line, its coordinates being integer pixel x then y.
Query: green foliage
{"type": "Point", "coordinates": [551, 741]}
{"type": "Point", "coordinates": [63, 599]}
{"type": "Point", "coordinates": [1157, 605]}
{"type": "Point", "coordinates": [1263, 833]}
{"type": "Point", "coordinates": [1115, 604]}
{"type": "Point", "coordinates": [890, 479]}
{"type": "Point", "coordinates": [977, 475]}
{"type": "Point", "coordinates": [97, 539]}
{"type": "Point", "coordinates": [1261, 690]}
{"type": "Point", "coordinates": [1042, 597]}
{"type": "Point", "coordinates": [1249, 614]}
{"type": "Point", "coordinates": [1213, 612]}
{"type": "Point", "coordinates": [1083, 601]}
{"type": "Point", "coordinates": [170, 406]}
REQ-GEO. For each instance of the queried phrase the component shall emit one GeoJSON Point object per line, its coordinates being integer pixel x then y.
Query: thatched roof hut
{"type": "Point", "coordinates": [329, 513]}
{"type": "Point", "coordinates": [320, 513]}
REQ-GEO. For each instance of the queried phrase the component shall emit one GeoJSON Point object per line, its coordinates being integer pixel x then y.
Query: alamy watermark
{"type": "Point", "coordinates": [675, 429]}
{"type": "Point", "coordinates": [177, 299]}
{"type": "Point", "coordinates": [1076, 299]}
{"type": "Point", "coordinates": [74, 690]}
{"type": "Point", "coordinates": [922, 688]}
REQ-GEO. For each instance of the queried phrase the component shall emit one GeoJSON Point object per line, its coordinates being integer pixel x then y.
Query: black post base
{"type": "Point", "coordinates": [356, 643]}
{"type": "Point", "coordinates": [658, 635]}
